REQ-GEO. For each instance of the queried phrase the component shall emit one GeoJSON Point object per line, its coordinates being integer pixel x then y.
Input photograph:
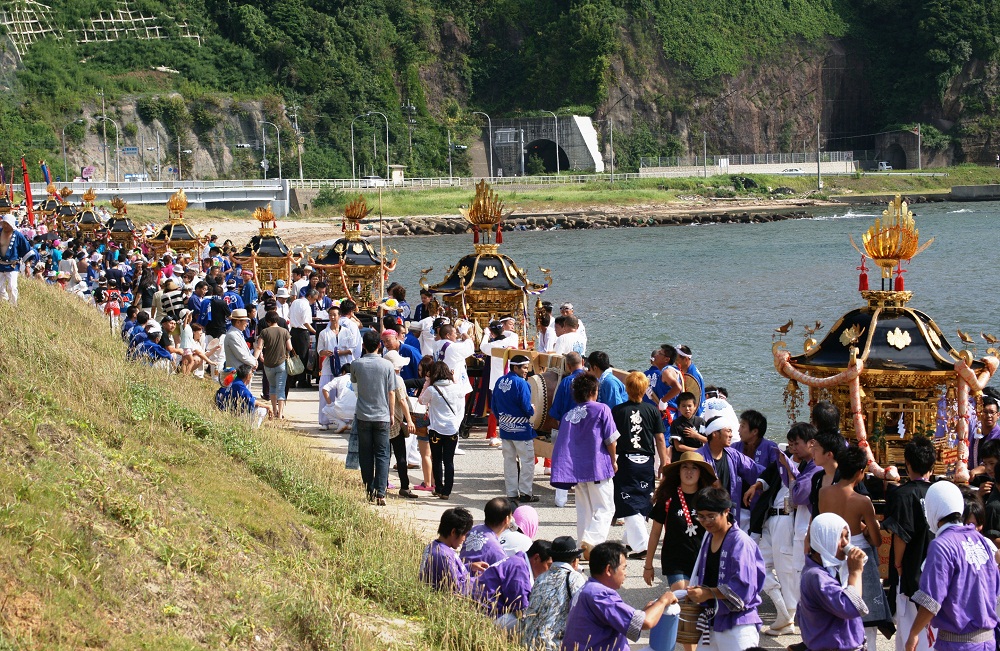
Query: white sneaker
{"type": "Point", "coordinates": [787, 629]}
{"type": "Point", "coordinates": [495, 443]}
{"type": "Point", "coordinates": [562, 495]}
{"type": "Point", "coordinates": [459, 451]}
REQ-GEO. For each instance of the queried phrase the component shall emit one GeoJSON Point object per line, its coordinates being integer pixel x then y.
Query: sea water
{"type": "Point", "coordinates": [723, 289]}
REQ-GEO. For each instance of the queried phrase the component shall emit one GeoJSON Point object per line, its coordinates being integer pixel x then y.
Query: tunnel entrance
{"type": "Point", "coordinates": [546, 150]}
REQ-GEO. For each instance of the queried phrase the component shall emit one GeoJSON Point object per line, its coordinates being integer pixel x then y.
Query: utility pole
{"type": "Point", "coordinates": [819, 173]}
{"type": "Point", "coordinates": [920, 164]}
{"type": "Point", "coordinates": [158, 162]}
{"type": "Point", "coordinates": [522, 152]}
{"type": "Point", "coordinates": [611, 122]}
{"type": "Point", "coordinates": [180, 174]}
{"type": "Point", "coordinates": [449, 156]}
{"type": "Point", "coordinates": [704, 152]}
{"type": "Point", "coordinates": [298, 138]}
{"type": "Point", "coordinates": [104, 128]}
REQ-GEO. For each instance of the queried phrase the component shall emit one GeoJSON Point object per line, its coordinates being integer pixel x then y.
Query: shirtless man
{"type": "Point", "coordinates": [842, 499]}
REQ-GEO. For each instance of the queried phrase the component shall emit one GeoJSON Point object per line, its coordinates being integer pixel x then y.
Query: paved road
{"type": "Point", "coordinates": [478, 478]}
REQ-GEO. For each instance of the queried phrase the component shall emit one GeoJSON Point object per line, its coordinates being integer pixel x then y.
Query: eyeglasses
{"type": "Point", "coordinates": [705, 517]}
{"type": "Point", "coordinates": [990, 412]}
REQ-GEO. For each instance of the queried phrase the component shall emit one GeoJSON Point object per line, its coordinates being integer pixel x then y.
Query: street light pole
{"type": "Point", "coordinates": [557, 138]}
{"type": "Point", "coordinates": [490, 132]}
{"type": "Point", "coordinates": [65, 164]}
{"type": "Point", "coordinates": [278, 131]}
{"type": "Point", "coordinates": [353, 176]}
{"type": "Point", "coordinates": [387, 175]}
{"type": "Point", "coordinates": [117, 147]}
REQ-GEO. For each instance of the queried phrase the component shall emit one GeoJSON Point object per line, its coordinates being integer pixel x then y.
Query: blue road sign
{"type": "Point", "coordinates": [130, 151]}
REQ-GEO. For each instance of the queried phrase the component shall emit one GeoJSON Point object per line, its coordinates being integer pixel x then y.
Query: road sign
{"type": "Point", "coordinates": [265, 165]}
{"type": "Point", "coordinates": [130, 151]}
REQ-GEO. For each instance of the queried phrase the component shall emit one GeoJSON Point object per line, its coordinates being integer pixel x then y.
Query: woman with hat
{"type": "Point", "coordinates": [551, 597]}
{"type": "Point", "coordinates": [674, 517]}
{"type": "Point", "coordinates": [728, 577]}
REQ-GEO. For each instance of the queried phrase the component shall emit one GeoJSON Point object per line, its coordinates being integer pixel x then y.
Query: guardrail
{"type": "Point", "coordinates": [747, 159]}
{"type": "Point", "coordinates": [139, 186]}
{"type": "Point", "coordinates": [455, 182]}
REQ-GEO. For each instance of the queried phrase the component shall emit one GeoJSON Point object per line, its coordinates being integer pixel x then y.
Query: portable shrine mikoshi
{"type": "Point", "coordinates": [119, 227]}
{"type": "Point", "coordinates": [5, 205]}
{"type": "Point", "coordinates": [49, 206]}
{"type": "Point", "coordinates": [487, 284]}
{"type": "Point", "coordinates": [176, 235]}
{"type": "Point", "coordinates": [353, 268]}
{"type": "Point", "coordinates": [86, 222]}
{"type": "Point", "coordinates": [888, 367]}
{"type": "Point", "coordinates": [266, 254]}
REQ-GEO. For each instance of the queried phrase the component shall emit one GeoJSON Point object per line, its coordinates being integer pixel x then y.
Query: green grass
{"type": "Point", "coordinates": [133, 515]}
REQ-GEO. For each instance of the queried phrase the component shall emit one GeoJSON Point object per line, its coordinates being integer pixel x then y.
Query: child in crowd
{"type": "Point", "coordinates": [684, 431]}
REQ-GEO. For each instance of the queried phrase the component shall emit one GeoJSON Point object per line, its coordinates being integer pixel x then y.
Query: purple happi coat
{"type": "Point", "coordinates": [482, 544]}
{"type": "Point", "coordinates": [504, 587]}
{"type": "Point", "coordinates": [580, 454]}
{"type": "Point", "coordinates": [829, 614]}
{"type": "Point", "coordinates": [741, 576]}
{"type": "Point", "coordinates": [960, 584]}
{"type": "Point", "coordinates": [599, 619]}
{"type": "Point", "coordinates": [442, 569]}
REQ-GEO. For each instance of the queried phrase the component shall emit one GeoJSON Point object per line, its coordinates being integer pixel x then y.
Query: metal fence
{"type": "Point", "coordinates": [746, 159]}
{"type": "Point", "coordinates": [455, 181]}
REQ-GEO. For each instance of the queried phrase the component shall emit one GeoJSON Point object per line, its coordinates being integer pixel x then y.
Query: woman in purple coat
{"type": "Point", "coordinates": [830, 607]}
{"type": "Point", "coordinates": [728, 577]}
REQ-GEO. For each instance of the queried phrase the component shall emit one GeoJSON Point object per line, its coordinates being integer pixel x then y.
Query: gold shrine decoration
{"type": "Point", "coordinates": [65, 193]}
{"type": "Point", "coordinates": [354, 212]}
{"type": "Point", "coordinates": [268, 223]}
{"type": "Point", "coordinates": [89, 196]}
{"type": "Point", "coordinates": [893, 238]}
{"type": "Point", "coordinates": [119, 205]}
{"type": "Point", "coordinates": [176, 205]}
{"type": "Point", "coordinates": [486, 208]}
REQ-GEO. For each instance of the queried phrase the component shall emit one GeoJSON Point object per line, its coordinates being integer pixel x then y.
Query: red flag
{"type": "Point", "coordinates": [27, 193]}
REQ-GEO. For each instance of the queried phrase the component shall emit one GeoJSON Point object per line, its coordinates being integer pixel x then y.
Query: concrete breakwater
{"type": "Point", "coordinates": [585, 220]}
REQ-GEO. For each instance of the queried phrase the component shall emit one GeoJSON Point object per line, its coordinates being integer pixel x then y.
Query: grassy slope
{"type": "Point", "coordinates": [134, 516]}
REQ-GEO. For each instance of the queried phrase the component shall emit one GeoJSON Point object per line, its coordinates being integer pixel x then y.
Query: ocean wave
{"type": "Point", "coordinates": [960, 210]}
{"type": "Point", "coordinates": [850, 214]}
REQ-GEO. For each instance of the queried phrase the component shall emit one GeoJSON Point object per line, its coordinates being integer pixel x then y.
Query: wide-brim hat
{"type": "Point", "coordinates": [239, 313]}
{"type": "Point", "coordinates": [673, 472]}
{"type": "Point", "coordinates": [565, 549]}
{"type": "Point", "coordinates": [281, 293]}
{"type": "Point", "coordinates": [397, 360]}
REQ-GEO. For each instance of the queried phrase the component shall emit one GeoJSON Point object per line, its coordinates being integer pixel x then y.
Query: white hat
{"type": "Point", "coordinates": [398, 361]}
{"type": "Point", "coordinates": [566, 306]}
{"type": "Point", "coordinates": [184, 314]}
{"type": "Point", "coordinates": [238, 313]}
{"type": "Point", "coordinates": [281, 293]}
{"type": "Point", "coordinates": [719, 414]}
{"type": "Point", "coordinates": [9, 219]}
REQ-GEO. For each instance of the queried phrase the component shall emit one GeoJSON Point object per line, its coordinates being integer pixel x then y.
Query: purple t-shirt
{"type": "Point", "coordinates": [580, 454]}
{"type": "Point", "coordinates": [482, 545]}
{"type": "Point", "coordinates": [601, 620]}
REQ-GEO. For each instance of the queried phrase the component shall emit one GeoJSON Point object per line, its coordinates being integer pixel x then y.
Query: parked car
{"type": "Point", "coordinates": [884, 166]}
{"type": "Point", "coordinates": [373, 182]}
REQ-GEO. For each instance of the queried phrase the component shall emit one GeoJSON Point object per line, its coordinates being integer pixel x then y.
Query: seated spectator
{"type": "Point", "coordinates": [441, 567]}
{"type": "Point", "coordinates": [503, 588]}
{"type": "Point", "coordinates": [236, 398]}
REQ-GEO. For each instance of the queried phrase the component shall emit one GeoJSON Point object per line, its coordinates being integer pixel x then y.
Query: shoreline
{"type": "Point", "coordinates": [691, 210]}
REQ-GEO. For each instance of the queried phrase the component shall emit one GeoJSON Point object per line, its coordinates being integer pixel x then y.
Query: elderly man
{"type": "Point", "coordinates": [512, 405]}
{"type": "Point", "coordinates": [14, 247]}
{"type": "Point", "coordinates": [234, 344]}
{"type": "Point", "coordinates": [548, 605]}
{"type": "Point", "coordinates": [300, 322]}
{"type": "Point", "coordinates": [374, 380]}
{"type": "Point", "coordinates": [566, 309]}
{"type": "Point", "coordinates": [391, 341]}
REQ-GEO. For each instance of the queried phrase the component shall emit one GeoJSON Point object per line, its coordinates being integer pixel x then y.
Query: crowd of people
{"type": "Point", "coordinates": [731, 514]}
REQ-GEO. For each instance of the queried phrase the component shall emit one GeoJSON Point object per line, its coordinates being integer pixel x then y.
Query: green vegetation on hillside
{"type": "Point", "coordinates": [427, 64]}
{"type": "Point", "coordinates": [133, 515]}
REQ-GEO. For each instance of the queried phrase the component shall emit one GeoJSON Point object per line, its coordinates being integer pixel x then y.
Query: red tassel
{"type": "Point", "coordinates": [475, 235]}
{"type": "Point", "coordinates": [900, 285]}
{"type": "Point", "coordinates": [499, 234]}
{"type": "Point", "coordinates": [862, 282]}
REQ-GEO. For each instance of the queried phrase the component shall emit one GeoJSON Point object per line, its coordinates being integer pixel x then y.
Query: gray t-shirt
{"type": "Point", "coordinates": [374, 382]}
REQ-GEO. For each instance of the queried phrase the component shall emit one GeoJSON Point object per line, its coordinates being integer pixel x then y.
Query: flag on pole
{"type": "Point", "coordinates": [27, 193]}
{"type": "Point", "coordinates": [45, 172]}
